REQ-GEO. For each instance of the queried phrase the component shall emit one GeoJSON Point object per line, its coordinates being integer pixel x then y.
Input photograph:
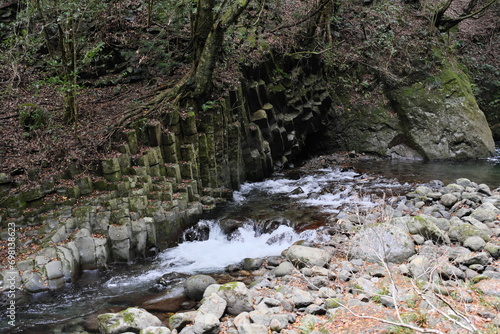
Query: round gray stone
{"type": "Point", "coordinates": [474, 243]}
{"type": "Point", "coordinates": [285, 268]}
{"type": "Point", "coordinates": [382, 242]}
{"type": "Point", "coordinates": [195, 286]}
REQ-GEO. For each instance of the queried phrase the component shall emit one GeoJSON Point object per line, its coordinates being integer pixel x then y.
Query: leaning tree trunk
{"type": "Point", "coordinates": [205, 63]}
{"type": "Point", "coordinates": [195, 87]}
{"type": "Point", "coordinates": [201, 28]}
{"type": "Point", "coordinates": [472, 11]}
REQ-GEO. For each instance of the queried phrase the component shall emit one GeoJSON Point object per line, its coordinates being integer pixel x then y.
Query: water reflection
{"type": "Point", "coordinates": [480, 171]}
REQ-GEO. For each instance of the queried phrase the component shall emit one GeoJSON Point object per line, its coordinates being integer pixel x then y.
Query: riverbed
{"type": "Point", "coordinates": [269, 216]}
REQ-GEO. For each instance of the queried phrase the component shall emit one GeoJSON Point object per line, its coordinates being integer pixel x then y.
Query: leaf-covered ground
{"type": "Point", "coordinates": [391, 39]}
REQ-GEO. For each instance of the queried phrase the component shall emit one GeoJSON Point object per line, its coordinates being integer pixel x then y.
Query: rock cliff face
{"type": "Point", "coordinates": [161, 177]}
{"type": "Point", "coordinates": [441, 119]}
{"type": "Point", "coordinates": [435, 119]}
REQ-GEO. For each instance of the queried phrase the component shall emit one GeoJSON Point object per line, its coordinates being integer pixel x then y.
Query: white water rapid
{"type": "Point", "coordinates": [328, 190]}
{"type": "Point", "coordinates": [215, 253]}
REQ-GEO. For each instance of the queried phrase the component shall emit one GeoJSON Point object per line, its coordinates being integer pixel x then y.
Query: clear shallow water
{"type": "Point", "coordinates": [480, 171]}
{"type": "Point", "coordinates": [284, 202]}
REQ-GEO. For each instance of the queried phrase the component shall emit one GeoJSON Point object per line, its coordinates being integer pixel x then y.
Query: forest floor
{"type": "Point", "coordinates": [31, 155]}
{"type": "Point", "coordinates": [46, 152]}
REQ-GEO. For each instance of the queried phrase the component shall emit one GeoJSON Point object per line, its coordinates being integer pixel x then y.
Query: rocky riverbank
{"type": "Point", "coordinates": [427, 263]}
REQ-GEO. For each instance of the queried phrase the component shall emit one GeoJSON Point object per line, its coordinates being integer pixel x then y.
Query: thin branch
{"type": "Point", "coordinates": [458, 313]}
{"type": "Point", "coordinates": [424, 297]}
{"type": "Point", "coordinates": [260, 13]}
{"type": "Point", "coordinates": [400, 324]}
{"type": "Point", "coordinates": [304, 19]}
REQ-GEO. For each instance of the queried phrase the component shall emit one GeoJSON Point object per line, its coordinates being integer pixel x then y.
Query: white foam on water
{"type": "Point", "coordinates": [216, 253]}
{"type": "Point", "coordinates": [496, 157]}
{"type": "Point", "coordinates": [329, 189]}
{"type": "Point", "coordinates": [309, 184]}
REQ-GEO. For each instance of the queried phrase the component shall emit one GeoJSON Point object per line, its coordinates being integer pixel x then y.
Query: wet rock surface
{"type": "Point", "coordinates": [452, 267]}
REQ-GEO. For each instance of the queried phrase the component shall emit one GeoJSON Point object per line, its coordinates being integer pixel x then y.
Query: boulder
{"type": "Point", "coordinates": [155, 330]}
{"type": "Point", "coordinates": [241, 320]}
{"type": "Point", "coordinates": [53, 270]}
{"type": "Point", "coordinates": [195, 286]}
{"type": "Point", "coordinates": [179, 320]}
{"type": "Point", "coordinates": [302, 256]}
{"type": "Point", "coordinates": [420, 267]}
{"type": "Point", "coordinates": [489, 287]}
{"type": "Point", "coordinates": [260, 316]}
{"type": "Point", "coordinates": [131, 319]}
{"type": "Point", "coordinates": [301, 298]}
{"type": "Point", "coordinates": [442, 118]}
{"type": "Point", "coordinates": [474, 243]}
{"type": "Point", "coordinates": [481, 258]}
{"type": "Point", "coordinates": [382, 242]}
{"type": "Point", "coordinates": [253, 329]}
{"type": "Point", "coordinates": [484, 189]}
{"type": "Point", "coordinates": [284, 268]}
{"type": "Point", "coordinates": [33, 282]}
{"type": "Point", "coordinates": [213, 304]}
{"type": "Point", "coordinates": [493, 249]}
{"type": "Point", "coordinates": [229, 225]}
{"type": "Point", "coordinates": [448, 271]}
{"type": "Point", "coordinates": [425, 227]}
{"type": "Point", "coordinates": [252, 264]}
{"type": "Point", "coordinates": [278, 323]}
{"type": "Point", "coordinates": [206, 324]}
{"type": "Point", "coordinates": [462, 232]}
{"type": "Point", "coordinates": [237, 296]}
{"type": "Point", "coordinates": [448, 200]}
{"type": "Point", "coordinates": [487, 212]}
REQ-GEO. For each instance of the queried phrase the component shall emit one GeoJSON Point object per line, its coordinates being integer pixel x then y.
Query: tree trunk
{"type": "Point", "coordinates": [204, 21]}
{"type": "Point", "coordinates": [212, 45]}
{"type": "Point", "coordinates": [206, 64]}
{"type": "Point", "coordinates": [444, 23]}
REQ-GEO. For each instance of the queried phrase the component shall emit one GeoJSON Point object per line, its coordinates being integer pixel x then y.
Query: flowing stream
{"type": "Point", "coordinates": [264, 219]}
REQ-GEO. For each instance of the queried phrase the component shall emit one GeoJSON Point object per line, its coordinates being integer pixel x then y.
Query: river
{"type": "Point", "coordinates": [273, 214]}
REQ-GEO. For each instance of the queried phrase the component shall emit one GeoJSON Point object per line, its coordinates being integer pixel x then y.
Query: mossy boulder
{"type": "Point", "coordinates": [5, 178]}
{"type": "Point", "coordinates": [462, 232]}
{"type": "Point", "coordinates": [494, 249]}
{"type": "Point", "coordinates": [333, 303]}
{"type": "Point", "coordinates": [441, 119]}
{"type": "Point", "coordinates": [425, 227]}
{"type": "Point", "coordinates": [110, 166]}
{"type": "Point", "coordinates": [15, 202]}
{"type": "Point", "coordinates": [237, 296]}
{"type": "Point", "coordinates": [132, 319]}
{"type": "Point", "coordinates": [33, 194]}
{"type": "Point", "coordinates": [85, 184]}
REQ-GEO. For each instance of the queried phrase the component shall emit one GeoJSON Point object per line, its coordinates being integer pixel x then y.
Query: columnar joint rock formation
{"type": "Point", "coordinates": [162, 176]}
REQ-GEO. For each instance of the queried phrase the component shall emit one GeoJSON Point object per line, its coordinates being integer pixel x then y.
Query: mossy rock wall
{"type": "Point", "coordinates": [441, 118]}
{"type": "Point", "coordinates": [435, 119]}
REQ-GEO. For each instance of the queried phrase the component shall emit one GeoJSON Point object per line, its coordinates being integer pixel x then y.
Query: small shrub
{"type": "Point", "coordinates": [31, 116]}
